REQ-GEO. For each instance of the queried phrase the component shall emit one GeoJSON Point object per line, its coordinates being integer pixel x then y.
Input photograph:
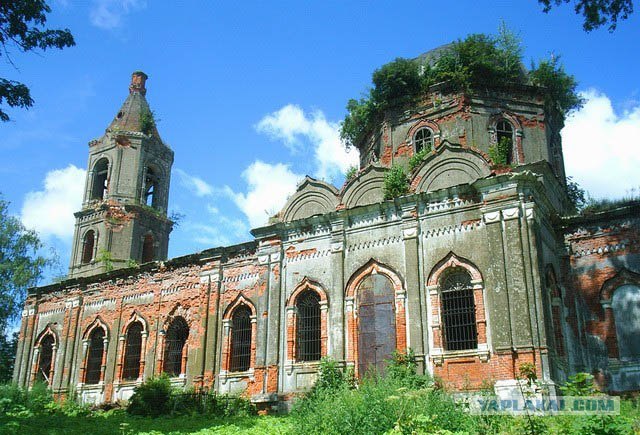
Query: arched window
{"type": "Point", "coordinates": [423, 139]}
{"type": "Point", "coordinates": [132, 352]}
{"type": "Point", "coordinates": [94, 357]}
{"type": "Point", "coordinates": [626, 310]}
{"type": "Point", "coordinates": [308, 340]}
{"type": "Point", "coordinates": [458, 311]}
{"type": "Point", "coordinates": [45, 360]}
{"type": "Point", "coordinates": [241, 339]}
{"type": "Point", "coordinates": [88, 243]}
{"type": "Point", "coordinates": [504, 136]}
{"type": "Point", "coordinates": [147, 249]}
{"type": "Point", "coordinates": [100, 176]}
{"type": "Point", "coordinates": [150, 188]}
{"type": "Point", "coordinates": [175, 339]}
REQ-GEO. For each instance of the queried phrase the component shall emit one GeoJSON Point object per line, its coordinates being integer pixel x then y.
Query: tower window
{"type": "Point", "coordinates": [423, 139]}
{"type": "Point", "coordinates": [94, 357]}
{"type": "Point", "coordinates": [459, 312]}
{"type": "Point", "coordinates": [132, 352]}
{"type": "Point", "coordinates": [308, 326]}
{"type": "Point", "coordinates": [150, 188]}
{"type": "Point", "coordinates": [88, 244]}
{"type": "Point", "coordinates": [176, 337]}
{"type": "Point", "coordinates": [99, 185]}
{"type": "Point", "coordinates": [241, 339]}
{"type": "Point", "coordinates": [147, 249]}
{"type": "Point", "coordinates": [45, 360]}
{"type": "Point", "coordinates": [504, 135]}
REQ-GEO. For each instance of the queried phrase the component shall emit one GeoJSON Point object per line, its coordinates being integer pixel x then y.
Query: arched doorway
{"type": "Point", "coordinates": [376, 323]}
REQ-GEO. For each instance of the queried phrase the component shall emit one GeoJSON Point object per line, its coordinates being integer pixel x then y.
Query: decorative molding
{"type": "Point", "coordinates": [241, 277]}
{"type": "Point", "coordinates": [510, 213]}
{"type": "Point", "coordinates": [138, 299]}
{"type": "Point", "coordinates": [491, 217]}
{"type": "Point", "coordinates": [468, 226]}
{"type": "Point", "coordinates": [374, 243]}
{"type": "Point", "coordinates": [307, 256]}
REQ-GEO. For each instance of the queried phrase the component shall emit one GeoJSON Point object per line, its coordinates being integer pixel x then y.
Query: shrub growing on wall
{"type": "Point", "coordinates": [477, 62]}
{"type": "Point", "coordinates": [396, 182]}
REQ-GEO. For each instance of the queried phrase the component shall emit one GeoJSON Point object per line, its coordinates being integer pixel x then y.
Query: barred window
{"type": "Point", "coordinates": [175, 339]}
{"type": "Point", "coordinates": [241, 339]}
{"type": "Point", "coordinates": [132, 352]}
{"type": "Point", "coordinates": [423, 139]}
{"type": "Point", "coordinates": [45, 360]}
{"type": "Point", "coordinates": [458, 312]}
{"type": "Point", "coordinates": [308, 326]}
{"type": "Point", "coordinates": [94, 357]}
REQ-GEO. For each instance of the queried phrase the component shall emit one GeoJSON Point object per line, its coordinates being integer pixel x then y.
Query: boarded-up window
{"type": "Point", "coordinates": [175, 339]}
{"type": "Point", "coordinates": [88, 244]}
{"type": "Point", "coordinates": [132, 352]}
{"type": "Point", "coordinates": [94, 357]}
{"type": "Point", "coordinates": [45, 360]}
{"type": "Point", "coordinates": [308, 326]}
{"type": "Point", "coordinates": [458, 311]}
{"type": "Point", "coordinates": [241, 339]}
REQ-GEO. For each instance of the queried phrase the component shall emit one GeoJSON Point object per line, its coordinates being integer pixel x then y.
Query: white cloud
{"type": "Point", "coordinates": [50, 211]}
{"type": "Point", "coordinates": [108, 14]}
{"type": "Point", "coordinates": [269, 186]}
{"type": "Point", "coordinates": [602, 147]}
{"type": "Point", "coordinates": [196, 185]}
{"type": "Point", "coordinates": [291, 125]}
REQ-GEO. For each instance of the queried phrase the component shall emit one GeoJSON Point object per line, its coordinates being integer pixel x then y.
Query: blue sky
{"type": "Point", "coordinates": [250, 94]}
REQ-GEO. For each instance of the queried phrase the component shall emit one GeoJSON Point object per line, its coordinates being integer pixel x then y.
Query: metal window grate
{"type": "Point", "coordinates": [241, 339]}
{"type": "Point", "coordinates": [459, 312]}
{"type": "Point", "coordinates": [132, 351]}
{"type": "Point", "coordinates": [423, 139]}
{"type": "Point", "coordinates": [176, 337]}
{"type": "Point", "coordinates": [308, 326]}
{"type": "Point", "coordinates": [94, 358]}
{"type": "Point", "coordinates": [45, 359]}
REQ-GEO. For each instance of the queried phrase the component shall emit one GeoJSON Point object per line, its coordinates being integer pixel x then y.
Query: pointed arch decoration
{"type": "Point", "coordinates": [240, 304]}
{"type": "Point", "coordinates": [174, 343]}
{"type": "Point", "coordinates": [373, 267]}
{"type": "Point", "coordinates": [44, 356]}
{"type": "Point", "coordinates": [471, 292]}
{"type": "Point", "coordinates": [132, 345]}
{"type": "Point", "coordinates": [298, 327]}
{"type": "Point", "coordinates": [94, 352]}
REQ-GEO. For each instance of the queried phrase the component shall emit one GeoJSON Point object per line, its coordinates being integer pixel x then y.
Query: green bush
{"type": "Point", "coordinates": [396, 182]}
{"type": "Point", "coordinates": [477, 62]}
{"type": "Point", "coordinates": [153, 398]}
{"type": "Point", "coordinates": [418, 158]}
{"type": "Point", "coordinates": [499, 153]}
{"type": "Point", "coordinates": [351, 173]}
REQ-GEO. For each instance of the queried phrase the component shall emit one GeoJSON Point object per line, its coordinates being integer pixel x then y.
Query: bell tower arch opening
{"type": "Point", "coordinates": [126, 193]}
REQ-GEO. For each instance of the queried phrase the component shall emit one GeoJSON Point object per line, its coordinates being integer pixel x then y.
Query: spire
{"type": "Point", "coordinates": [135, 114]}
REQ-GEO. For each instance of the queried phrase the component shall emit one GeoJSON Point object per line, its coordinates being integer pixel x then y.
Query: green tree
{"type": "Point", "coordinates": [22, 26]}
{"type": "Point", "coordinates": [8, 346]}
{"type": "Point", "coordinates": [596, 13]}
{"type": "Point", "coordinates": [21, 266]}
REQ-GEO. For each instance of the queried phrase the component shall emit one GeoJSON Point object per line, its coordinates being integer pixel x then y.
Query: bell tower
{"type": "Point", "coordinates": [123, 220]}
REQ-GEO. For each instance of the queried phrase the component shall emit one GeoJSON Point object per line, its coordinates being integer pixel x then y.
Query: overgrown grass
{"type": "Point", "coordinates": [402, 402]}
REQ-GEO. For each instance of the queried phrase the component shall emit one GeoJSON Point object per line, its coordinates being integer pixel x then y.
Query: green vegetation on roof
{"type": "Point", "coordinates": [478, 62]}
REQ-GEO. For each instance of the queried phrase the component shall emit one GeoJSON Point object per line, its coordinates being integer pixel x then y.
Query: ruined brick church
{"type": "Point", "coordinates": [478, 269]}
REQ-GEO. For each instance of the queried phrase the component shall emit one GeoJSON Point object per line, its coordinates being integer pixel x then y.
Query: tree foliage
{"type": "Point", "coordinates": [21, 264]}
{"type": "Point", "coordinates": [596, 13]}
{"type": "Point", "coordinates": [22, 26]}
{"type": "Point", "coordinates": [476, 63]}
